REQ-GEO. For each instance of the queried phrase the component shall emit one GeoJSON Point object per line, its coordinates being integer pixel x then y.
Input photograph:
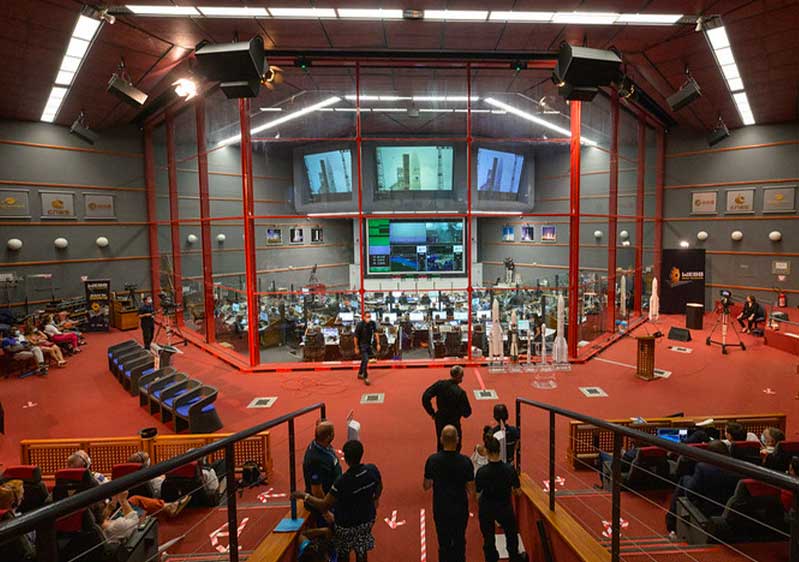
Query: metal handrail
{"type": "Point", "coordinates": [745, 469]}
{"type": "Point", "coordinates": [43, 519]}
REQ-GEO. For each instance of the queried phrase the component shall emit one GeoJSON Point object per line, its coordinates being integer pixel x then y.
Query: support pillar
{"type": "Point", "coordinates": [248, 205]}
{"type": "Point", "coordinates": [174, 217]}
{"type": "Point", "coordinates": [574, 230]}
{"type": "Point", "coordinates": [660, 175]}
{"type": "Point", "coordinates": [639, 220]}
{"type": "Point", "coordinates": [613, 211]}
{"type": "Point", "coordinates": [205, 225]}
{"type": "Point", "coordinates": [152, 215]}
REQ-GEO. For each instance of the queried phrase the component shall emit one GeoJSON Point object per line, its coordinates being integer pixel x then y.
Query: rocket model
{"type": "Point", "coordinates": [560, 353]}
{"type": "Point", "coordinates": [513, 330]}
{"type": "Point", "coordinates": [543, 343]}
{"type": "Point", "coordinates": [654, 302]}
{"type": "Point", "coordinates": [495, 347]}
{"type": "Point", "coordinates": [623, 296]}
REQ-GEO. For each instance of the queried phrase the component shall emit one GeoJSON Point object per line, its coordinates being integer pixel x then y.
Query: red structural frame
{"type": "Point", "coordinates": [207, 340]}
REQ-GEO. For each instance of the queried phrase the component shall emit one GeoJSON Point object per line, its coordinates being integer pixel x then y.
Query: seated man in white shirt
{"type": "Point", "coordinates": [119, 529]}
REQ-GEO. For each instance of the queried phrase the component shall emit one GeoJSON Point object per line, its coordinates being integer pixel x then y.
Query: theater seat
{"type": "Point", "coordinates": [132, 376]}
{"type": "Point", "coordinates": [123, 469]}
{"type": "Point", "coordinates": [346, 345]}
{"type": "Point", "coordinates": [748, 451]}
{"type": "Point", "coordinates": [173, 392]}
{"type": "Point", "coordinates": [187, 479]}
{"type": "Point", "coordinates": [36, 494]}
{"type": "Point", "coordinates": [18, 549]}
{"type": "Point", "coordinates": [753, 502]}
{"type": "Point", "coordinates": [128, 356]}
{"type": "Point", "coordinates": [781, 457]}
{"type": "Point", "coordinates": [684, 465]}
{"type": "Point", "coordinates": [155, 388]}
{"type": "Point", "coordinates": [195, 411]}
{"type": "Point", "coordinates": [117, 349]}
{"type": "Point", "coordinates": [80, 538]}
{"type": "Point", "coordinates": [69, 481]}
{"type": "Point", "coordinates": [146, 380]}
{"type": "Point", "coordinates": [649, 469]}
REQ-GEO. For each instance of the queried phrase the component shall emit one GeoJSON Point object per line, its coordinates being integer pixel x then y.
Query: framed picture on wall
{"type": "Point", "coordinates": [274, 236]}
{"type": "Point", "coordinates": [296, 235]}
{"type": "Point", "coordinates": [14, 203]}
{"type": "Point", "coordinates": [98, 206]}
{"type": "Point", "coordinates": [704, 202]}
{"type": "Point", "coordinates": [740, 201]}
{"type": "Point", "coordinates": [549, 233]}
{"type": "Point", "coordinates": [316, 235]}
{"type": "Point", "coordinates": [779, 199]}
{"type": "Point", "coordinates": [528, 233]}
{"type": "Point", "coordinates": [58, 205]}
{"type": "Point", "coordinates": [508, 235]}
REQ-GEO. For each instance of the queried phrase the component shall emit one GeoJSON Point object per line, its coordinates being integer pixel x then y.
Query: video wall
{"type": "Point", "coordinates": [414, 168]}
{"type": "Point", "coordinates": [414, 247]}
{"type": "Point", "coordinates": [329, 172]}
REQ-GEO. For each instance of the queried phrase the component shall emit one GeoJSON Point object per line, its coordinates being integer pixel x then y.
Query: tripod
{"type": "Point", "coordinates": [723, 319]}
{"type": "Point", "coordinates": [170, 325]}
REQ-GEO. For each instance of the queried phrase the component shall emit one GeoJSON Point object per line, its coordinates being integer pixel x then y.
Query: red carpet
{"type": "Point", "coordinates": [84, 400]}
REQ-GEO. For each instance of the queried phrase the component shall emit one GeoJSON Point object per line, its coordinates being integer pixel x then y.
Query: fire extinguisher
{"type": "Point", "coordinates": [782, 300]}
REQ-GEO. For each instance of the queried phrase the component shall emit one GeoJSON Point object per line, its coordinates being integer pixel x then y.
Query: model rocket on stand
{"type": "Point", "coordinates": [513, 331]}
{"type": "Point", "coordinates": [623, 296]}
{"type": "Point", "coordinates": [495, 347]}
{"type": "Point", "coordinates": [654, 302]}
{"type": "Point", "coordinates": [560, 353]}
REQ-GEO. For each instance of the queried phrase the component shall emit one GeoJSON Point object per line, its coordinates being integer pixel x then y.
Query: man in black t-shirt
{"type": "Point", "coordinates": [451, 476]}
{"type": "Point", "coordinates": [320, 467]}
{"type": "Point", "coordinates": [452, 403]}
{"type": "Point", "coordinates": [146, 312]}
{"type": "Point", "coordinates": [495, 483]}
{"type": "Point", "coordinates": [355, 495]}
{"type": "Point", "coordinates": [363, 336]}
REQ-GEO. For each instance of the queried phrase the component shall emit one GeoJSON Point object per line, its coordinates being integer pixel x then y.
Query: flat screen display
{"type": "Point", "coordinates": [414, 168]}
{"type": "Point", "coordinates": [498, 171]}
{"type": "Point", "coordinates": [416, 317]}
{"type": "Point", "coordinates": [414, 247]}
{"type": "Point", "coordinates": [329, 172]}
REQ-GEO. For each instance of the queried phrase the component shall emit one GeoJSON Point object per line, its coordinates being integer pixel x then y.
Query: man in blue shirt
{"type": "Point", "coordinates": [146, 312]}
{"type": "Point", "coordinates": [320, 468]}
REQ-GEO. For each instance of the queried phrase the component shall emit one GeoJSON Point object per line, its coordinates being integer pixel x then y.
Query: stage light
{"type": "Point", "coordinates": [61, 243]}
{"type": "Point", "coordinates": [102, 242]}
{"type": "Point", "coordinates": [580, 71]}
{"type": "Point", "coordinates": [687, 93]}
{"type": "Point", "coordinates": [684, 244]}
{"type": "Point", "coordinates": [775, 235]}
{"type": "Point", "coordinates": [238, 67]}
{"type": "Point", "coordinates": [82, 131]}
{"type": "Point", "coordinates": [737, 235]}
{"type": "Point", "coordinates": [14, 244]}
{"type": "Point", "coordinates": [121, 85]}
{"type": "Point", "coordinates": [221, 238]}
{"type": "Point", "coordinates": [702, 235]}
{"type": "Point", "coordinates": [185, 88]}
{"type": "Point", "coordinates": [718, 134]}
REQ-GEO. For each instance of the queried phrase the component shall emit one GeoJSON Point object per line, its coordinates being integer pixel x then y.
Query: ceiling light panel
{"type": "Point", "coordinates": [522, 17]}
{"type": "Point", "coordinates": [535, 119]}
{"type": "Point", "coordinates": [162, 10]}
{"type": "Point", "coordinates": [718, 38]}
{"type": "Point", "coordinates": [233, 12]}
{"type": "Point", "coordinates": [649, 19]}
{"type": "Point", "coordinates": [303, 12]}
{"type": "Point", "coordinates": [86, 28]}
{"type": "Point", "coordinates": [369, 14]}
{"type": "Point", "coordinates": [725, 59]}
{"type": "Point", "coordinates": [456, 15]}
{"type": "Point", "coordinates": [590, 18]}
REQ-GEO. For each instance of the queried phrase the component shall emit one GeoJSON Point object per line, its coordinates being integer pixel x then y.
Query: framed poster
{"type": "Point", "coordinates": [14, 203]}
{"type": "Point", "coordinates": [779, 199]}
{"type": "Point", "coordinates": [549, 233]}
{"type": "Point", "coordinates": [508, 234]}
{"type": "Point", "coordinates": [274, 236]}
{"type": "Point", "coordinates": [740, 201]}
{"type": "Point", "coordinates": [296, 235]}
{"type": "Point", "coordinates": [704, 202]}
{"type": "Point", "coordinates": [98, 206]}
{"type": "Point", "coordinates": [58, 205]}
{"type": "Point", "coordinates": [682, 279]}
{"type": "Point", "coordinates": [316, 235]}
{"type": "Point", "coordinates": [528, 233]}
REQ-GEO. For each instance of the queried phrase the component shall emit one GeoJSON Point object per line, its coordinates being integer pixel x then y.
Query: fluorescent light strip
{"type": "Point", "coordinates": [365, 13]}
{"type": "Point", "coordinates": [271, 109]}
{"type": "Point", "coordinates": [436, 110]}
{"type": "Point", "coordinates": [535, 119]}
{"type": "Point", "coordinates": [649, 19]}
{"type": "Point", "coordinates": [303, 12]}
{"type": "Point", "coordinates": [280, 120]}
{"type": "Point", "coordinates": [589, 18]}
{"type": "Point", "coordinates": [456, 15]}
{"type": "Point", "coordinates": [722, 52]}
{"type": "Point", "coordinates": [57, 95]}
{"type": "Point", "coordinates": [64, 78]}
{"type": "Point", "coordinates": [390, 109]}
{"type": "Point", "coordinates": [234, 12]}
{"type": "Point", "coordinates": [522, 17]}
{"type": "Point", "coordinates": [718, 38]}
{"type": "Point", "coordinates": [162, 10]}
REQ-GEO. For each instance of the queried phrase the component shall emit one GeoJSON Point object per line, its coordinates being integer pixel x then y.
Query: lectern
{"type": "Point", "coordinates": [646, 358]}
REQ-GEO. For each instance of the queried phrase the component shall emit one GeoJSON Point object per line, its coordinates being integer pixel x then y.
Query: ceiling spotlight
{"type": "Point", "coordinates": [82, 131]}
{"type": "Point", "coordinates": [719, 133]}
{"type": "Point", "coordinates": [185, 88]}
{"type": "Point", "coordinates": [626, 88]}
{"type": "Point", "coordinates": [122, 87]}
{"type": "Point", "coordinates": [687, 93]}
{"type": "Point", "coordinates": [547, 105]}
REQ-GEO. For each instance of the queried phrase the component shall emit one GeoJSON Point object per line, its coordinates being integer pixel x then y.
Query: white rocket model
{"type": "Point", "coordinates": [654, 302]}
{"type": "Point", "coordinates": [543, 343]}
{"type": "Point", "coordinates": [623, 296]}
{"type": "Point", "coordinates": [513, 330]}
{"type": "Point", "coordinates": [495, 347]}
{"type": "Point", "coordinates": [560, 353]}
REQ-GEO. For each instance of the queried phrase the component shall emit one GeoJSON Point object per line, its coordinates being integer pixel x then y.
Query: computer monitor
{"type": "Point", "coordinates": [389, 318]}
{"type": "Point", "coordinates": [433, 295]}
{"type": "Point", "coordinates": [396, 294]}
{"type": "Point", "coordinates": [439, 315]}
{"type": "Point", "coordinates": [235, 307]}
{"type": "Point", "coordinates": [347, 316]}
{"type": "Point", "coordinates": [330, 333]}
{"type": "Point", "coordinates": [461, 315]}
{"type": "Point", "coordinates": [416, 316]}
{"type": "Point", "coordinates": [263, 317]}
{"type": "Point", "coordinates": [524, 325]}
{"type": "Point", "coordinates": [483, 314]}
{"type": "Point", "coordinates": [674, 434]}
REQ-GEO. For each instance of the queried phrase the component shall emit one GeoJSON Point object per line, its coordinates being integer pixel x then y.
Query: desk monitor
{"type": "Point", "coordinates": [416, 316]}
{"type": "Point", "coordinates": [235, 307]}
{"type": "Point", "coordinates": [439, 315]}
{"type": "Point", "coordinates": [330, 333]}
{"type": "Point", "coordinates": [461, 315]}
{"type": "Point", "coordinates": [524, 325]}
{"type": "Point", "coordinates": [389, 317]}
{"type": "Point", "coordinates": [347, 316]}
{"type": "Point", "coordinates": [672, 434]}
{"type": "Point", "coordinates": [483, 314]}
{"type": "Point", "coordinates": [263, 317]}
{"type": "Point", "coordinates": [396, 294]}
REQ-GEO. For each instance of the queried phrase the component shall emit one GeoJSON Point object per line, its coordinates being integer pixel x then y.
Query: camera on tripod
{"type": "Point", "coordinates": [168, 303]}
{"type": "Point", "coordinates": [726, 300]}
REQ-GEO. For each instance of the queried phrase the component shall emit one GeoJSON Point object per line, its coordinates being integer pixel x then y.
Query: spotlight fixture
{"type": "Point", "coordinates": [192, 238]}
{"type": "Point", "coordinates": [775, 235]}
{"type": "Point", "coordinates": [81, 130]}
{"type": "Point", "coordinates": [185, 88]}
{"type": "Point", "coordinates": [102, 242]}
{"type": "Point", "coordinates": [122, 87]}
{"type": "Point", "coordinates": [221, 238]}
{"type": "Point", "coordinates": [238, 66]}
{"type": "Point", "coordinates": [413, 15]}
{"type": "Point", "coordinates": [719, 133]}
{"type": "Point", "coordinates": [580, 71]}
{"type": "Point", "coordinates": [684, 244]}
{"type": "Point", "coordinates": [624, 235]}
{"type": "Point", "coordinates": [687, 93]}
{"type": "Point", "coordinates": [597, 234]}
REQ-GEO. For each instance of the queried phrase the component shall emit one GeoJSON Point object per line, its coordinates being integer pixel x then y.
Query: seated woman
{"type": "Point", "coordinates": [120, 518]}
{"type": "Point", "coordinates": [49, 348]}
{"type": "Point", "coordinates": [57, 336]}
{"type": "Point", "coordinates": [752, 313]}
{"type": "Point", "coordinates": [18, 348]}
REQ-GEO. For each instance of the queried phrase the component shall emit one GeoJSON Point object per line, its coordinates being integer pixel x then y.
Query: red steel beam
{"type": "Point", "coordinates": [574, 229]}
{"type": "Point", "coordinates": [660, 175]}
{"type": "Point", "coordinates": [205, 225]}
{"type": "Point", "coordinates": [359, 154]}
{"type": "Point", "coordinates": [639, 220]}
{"type": "Point", "coordinates": [248, 203]}
{"type": "Point", "coordinates": [468, 226]}
{"type": "Point", "coordinates": [152, 215]}
{"type": "Point", "coordinates": [613, 208]}
{"type": "Point", "coordinates": [174, 215]}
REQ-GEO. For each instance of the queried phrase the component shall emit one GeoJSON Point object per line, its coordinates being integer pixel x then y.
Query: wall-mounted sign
{"type": "Point", "coordinates": [704, 202]}
{"type": "Point", "coordinates": [98, 206]}
{"type": "Point", "coordinates": [549, 233]}
{"type": "Point", "coordinates": [779, 199]}
{"type": "Point", "coordinates": [781, 267]}
{"type": "Point", "coordinates": [741, 201]}
{"type": "Point", "coordinates": [57, 205]}
{"type": "Point", "coordinates": [316, 235]}
{"type": "Point", "coordinates": [15, 203]}
{"type": "Point", "coordinates": [296, 235]}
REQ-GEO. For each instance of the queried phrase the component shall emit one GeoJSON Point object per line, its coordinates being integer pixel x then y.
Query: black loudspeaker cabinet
{"type": "Point", "coordinates": [679, 334]}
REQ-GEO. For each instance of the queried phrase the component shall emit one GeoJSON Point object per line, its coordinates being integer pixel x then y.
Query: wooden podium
{"type": "Point", "coordinates": [645, 368]}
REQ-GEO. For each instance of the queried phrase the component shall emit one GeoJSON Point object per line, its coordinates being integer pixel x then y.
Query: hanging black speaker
{"type": "Point", "coordinates": [238, 67]}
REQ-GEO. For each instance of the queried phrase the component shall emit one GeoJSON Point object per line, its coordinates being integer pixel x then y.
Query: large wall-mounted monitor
{"type": "Point", "coordinates": [329, 172]}
{"type": "Point", "coordinates": [414, 168]}
{"type": "Point", "coordinates": [415, 247]}
{"type": "Point", "coordinates": [499, 171]}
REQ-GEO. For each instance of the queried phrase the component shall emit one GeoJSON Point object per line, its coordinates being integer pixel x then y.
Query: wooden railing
{"type": "Point", "coordinates": [51, 455]}
{"type": "Point", "coordinates": [584, 439]}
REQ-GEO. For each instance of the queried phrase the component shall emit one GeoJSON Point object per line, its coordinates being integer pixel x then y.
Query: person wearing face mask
{"type": "Point", "coordinates": [772, 458]}
{"type": "Point", "coordinates": [15, 344]}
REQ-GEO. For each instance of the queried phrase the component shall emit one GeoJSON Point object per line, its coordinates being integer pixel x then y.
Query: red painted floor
{"type": "Point", "coordinates": [83, 400]}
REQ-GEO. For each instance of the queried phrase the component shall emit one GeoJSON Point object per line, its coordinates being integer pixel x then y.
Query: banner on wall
{"type": "Point", "coordinates": [98, 304]}
{"type": "Point", "coordinates": [98, 206]}
{"type": "Point", "coordinates": [683, 279]}
{"type": "Point", "coordinates": [15, 203]}
{"type": "Point", "coordinates": [57, 205]}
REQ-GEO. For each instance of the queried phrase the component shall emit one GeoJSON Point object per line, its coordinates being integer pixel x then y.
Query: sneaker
{"type": "Point", "coordinates": [366, 381]}
{"type": "Point", "coordinates": [360, 375]}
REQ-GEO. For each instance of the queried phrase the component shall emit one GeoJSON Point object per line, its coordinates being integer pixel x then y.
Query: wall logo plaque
{"type": "Point", "coordinates": [57, 205]}
{"type": "Point", "coordinates": [779, 199]}
{"type": "Point", "coordinates": [704, 202]}
{"type": "Point", "coordinates": [14, 203]}
{"type": "Point", "coordinates": [740, 201]}
{"type": "Point", "coordinates": [98, 206]}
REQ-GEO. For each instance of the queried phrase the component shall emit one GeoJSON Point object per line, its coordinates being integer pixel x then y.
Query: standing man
{"type": "Point", "coordinates": [452, 403]}
{"type": "Point", "coordinates": [363, 336]}
{"type": "Point", "coordinates": [495, 482]}
{"type": "Point", "coordinates": [146, 312]}
{"type": "Point", "coordinates": [320, 468]}
{"type": "Point", "coordinates": [355, 495]}
{"type": "Point", "coordinates": [451, 476]}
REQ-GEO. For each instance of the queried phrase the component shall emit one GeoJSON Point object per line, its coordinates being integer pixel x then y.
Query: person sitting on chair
{"type": "Point", "coordinates": [752, 313]}
{"type": "Point", "coordinates": [19, 349]}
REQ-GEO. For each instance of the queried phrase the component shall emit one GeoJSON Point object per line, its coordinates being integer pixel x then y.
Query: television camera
{"type": "Point", "coordinates": [726, 300]}
{"type": "Point", "coordinates": [723, 321]}
{"type": "Point", "coordinates": [168, 304]}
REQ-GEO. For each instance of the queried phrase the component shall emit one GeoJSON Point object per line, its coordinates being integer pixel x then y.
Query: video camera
{"type": "Point", "coordinates": [726, 300]}
{"type": "Point", "coordinates": [167, 302]}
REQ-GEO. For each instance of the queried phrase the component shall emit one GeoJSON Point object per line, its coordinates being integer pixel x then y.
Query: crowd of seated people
{"type": "Point", "coordinates": [48, 339]}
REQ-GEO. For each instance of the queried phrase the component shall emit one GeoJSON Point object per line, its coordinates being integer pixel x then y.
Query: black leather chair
{"type": "Point", "coordinates": [36, 494]}
{"type": "Point", "coordinates": [172, 393]}
{"type": "Point", "coordinates": [155, 388]}
{"type": "Point", "coordinates": [146, 380]}
{"type": "Point", "coordinates": [195, 410]}
{"type": "Point", "coordinates": [649, 469]}
{"type": "Point", "coordinates": [187, 479]}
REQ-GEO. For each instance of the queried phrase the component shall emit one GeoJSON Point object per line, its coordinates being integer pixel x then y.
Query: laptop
{"type": "Point", "coordinates": [674, 434]}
